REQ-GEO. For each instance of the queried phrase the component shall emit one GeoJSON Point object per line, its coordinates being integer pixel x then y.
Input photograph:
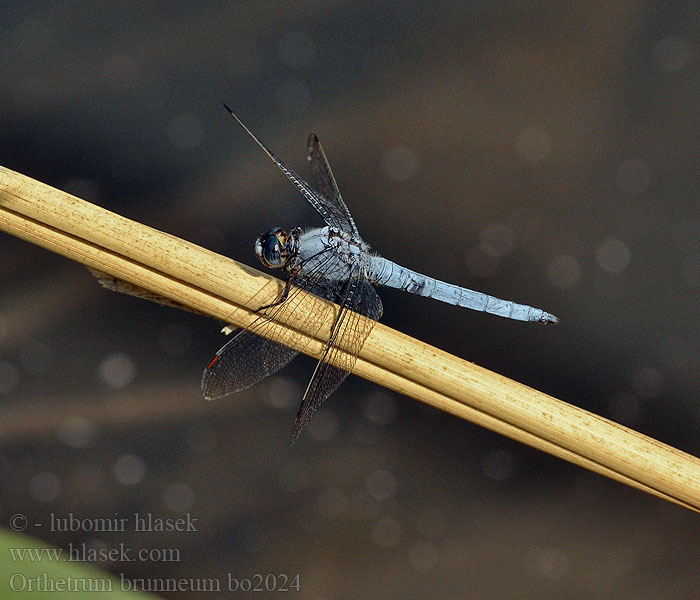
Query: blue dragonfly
{"type": "Point", "coordinates": [335, 263]}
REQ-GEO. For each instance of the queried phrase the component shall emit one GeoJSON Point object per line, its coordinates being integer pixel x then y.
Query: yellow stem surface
{"type": "Point", "coordinates": [229, 291]}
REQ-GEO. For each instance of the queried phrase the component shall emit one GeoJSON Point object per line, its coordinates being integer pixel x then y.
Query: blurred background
{"type": "Point", "coordinates": [541, 151]}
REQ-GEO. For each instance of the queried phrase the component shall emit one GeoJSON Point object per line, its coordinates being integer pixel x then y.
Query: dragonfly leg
{"type": "Point", "coordinates": [290, 267]}
{"type": "Point", "coordinates": [292, 270]}
{"type": "Point", "coordinates": [282, 297]}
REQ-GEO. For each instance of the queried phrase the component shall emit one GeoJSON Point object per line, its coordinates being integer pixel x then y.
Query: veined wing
{"type": "Point", "coordinates": [242, 362]}
{"type": "Point", "coordinates": [327, 186]}
{"type": "Point", "coordinates": [255, 353]}
{"type": "Point", "coordinates": [356, 297]}
{"type": "Point", "coordinates": [333, 213]}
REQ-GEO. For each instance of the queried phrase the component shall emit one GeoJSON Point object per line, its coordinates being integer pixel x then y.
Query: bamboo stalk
{"type": "Point", "coordinates": [226, 290]}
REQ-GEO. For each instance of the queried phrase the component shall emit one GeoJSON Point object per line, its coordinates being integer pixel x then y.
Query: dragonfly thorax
{"type": "Point", "coordinates": [276, 247]}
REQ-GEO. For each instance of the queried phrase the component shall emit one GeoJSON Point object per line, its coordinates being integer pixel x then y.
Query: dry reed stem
{"type": "Point", "coordinates": [226, 290]}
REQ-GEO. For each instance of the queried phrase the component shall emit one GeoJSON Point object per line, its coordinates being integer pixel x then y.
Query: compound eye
{"type": "Point", "coordinates": [271, 250]}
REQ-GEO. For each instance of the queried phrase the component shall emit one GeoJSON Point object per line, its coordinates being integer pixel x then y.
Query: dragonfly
{"type": "Point", "coordinates": [335, 263]}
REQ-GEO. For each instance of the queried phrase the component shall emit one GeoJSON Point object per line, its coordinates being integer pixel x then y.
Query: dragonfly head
{"type": "Point", "coordinates": [275, 247]}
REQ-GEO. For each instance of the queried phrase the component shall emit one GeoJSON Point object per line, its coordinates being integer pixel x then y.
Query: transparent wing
{"type": "Point", "coordinates": [242, 362]}
{"type": "Point", "coordinates": [334, 213]}
{"type": "Point", "coordinates": [256, 352]}
{"type": "Point", "coordinates": [356, 297]}
{"type": "Point", "coordinates": [326, 184]}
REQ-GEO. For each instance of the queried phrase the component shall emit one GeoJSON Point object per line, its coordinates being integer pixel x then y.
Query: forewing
{"type": "Point", "coordinates": [334, 214]}
{"type": "Point", "coordinates": [327, 186]}
{"type": "Point", "coordinates": [241, 363]}
{"type": "Point", "coordinates": [257, 351]}
{"type": "Point", "coordinates": [349, 332]}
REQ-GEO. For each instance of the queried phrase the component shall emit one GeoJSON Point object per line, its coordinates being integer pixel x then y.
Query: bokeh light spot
{"type": "Point", "coordinates": [399, 163]}
{"type": "Point", "coordinates": [117, 371]}
{"type": "Point", "coordinates": [379, 408]}
{"type": "Point", "coordinates": [381, 484]}
{"type": "Point", "coordinates": [282, 392]}
{"type": "Point", "coordinates": [45, 487]}
{"type": "Point", "coordinates": [324, 426]}
{"type": "Point", "coordinates": [613, 256]}
{"type": "Point", "coordinates": [178, 497]}
{"type": "Point", "coordinates": [129, 469]}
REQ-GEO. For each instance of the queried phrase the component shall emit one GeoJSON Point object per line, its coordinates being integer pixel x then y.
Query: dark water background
{"type": "Point", "coordinates": [542, 151]}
